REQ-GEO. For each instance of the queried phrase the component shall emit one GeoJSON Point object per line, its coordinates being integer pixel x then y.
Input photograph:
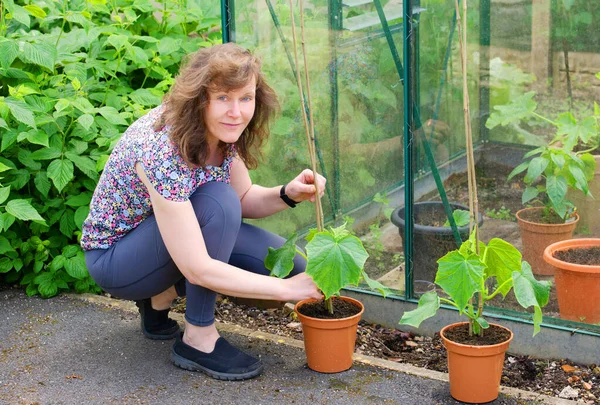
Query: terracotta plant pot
{"type": "Point", "coordinates": [329, 343]}
{"type": "Point", "coordinates": [577, 285]}
{"type": "Point", "coordinates": [536, 237]}
{"type": "Point", "coordinates": [474, 371]}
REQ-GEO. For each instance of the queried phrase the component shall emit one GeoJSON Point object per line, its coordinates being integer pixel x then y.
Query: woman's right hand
{"type": "Point", "coordinates": [301, 287]}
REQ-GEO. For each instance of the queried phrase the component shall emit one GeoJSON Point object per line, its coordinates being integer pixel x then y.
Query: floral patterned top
{"type": "Point", "coordinates": [121, 201]}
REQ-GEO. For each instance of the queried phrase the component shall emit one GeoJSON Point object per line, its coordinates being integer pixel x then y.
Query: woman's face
{"type": "Point", "coordinates": [229, 112]}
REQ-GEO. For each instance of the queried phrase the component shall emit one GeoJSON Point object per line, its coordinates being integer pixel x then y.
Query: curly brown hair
{"type": "Point", "coordinates": [223, 67]}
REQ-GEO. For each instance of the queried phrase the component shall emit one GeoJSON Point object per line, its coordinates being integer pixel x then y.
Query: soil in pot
{"type": "Point", "coordinates": [539, 217]}
{"type": "Point", "coordinates": [341, 309]}
{"type": "Point", "coordinates": [491, 336]}
{"type": "Point", "coordinates": [586, 256]}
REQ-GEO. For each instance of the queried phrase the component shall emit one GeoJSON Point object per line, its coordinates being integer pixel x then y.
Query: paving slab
{"type": "Point", "coordinates": [90, 350]}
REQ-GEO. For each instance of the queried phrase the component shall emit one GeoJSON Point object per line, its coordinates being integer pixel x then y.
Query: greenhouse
{"type": "Point", "coordinates": [459, 140]}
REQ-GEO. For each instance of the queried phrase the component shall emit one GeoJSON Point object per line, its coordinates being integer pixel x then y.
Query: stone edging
{"type": "Point", "coordinates": [129, 306]}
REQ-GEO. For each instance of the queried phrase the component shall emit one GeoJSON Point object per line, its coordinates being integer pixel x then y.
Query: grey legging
{"type": "Point", "coordinates": [138, 266]}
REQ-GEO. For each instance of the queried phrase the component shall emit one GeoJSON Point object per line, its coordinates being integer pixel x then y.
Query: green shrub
{"type": "Point", "coordinates": [74, 74]}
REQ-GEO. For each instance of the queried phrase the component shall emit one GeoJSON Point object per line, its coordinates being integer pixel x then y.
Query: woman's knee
{"type": "Point", "coordinates": [217, 200]}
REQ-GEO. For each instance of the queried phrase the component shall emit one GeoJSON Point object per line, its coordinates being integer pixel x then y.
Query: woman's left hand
{"type": "Point", "coordinates": [302, 188]}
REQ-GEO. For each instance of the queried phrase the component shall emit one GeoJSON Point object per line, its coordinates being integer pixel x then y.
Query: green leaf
{"type": "Point", "coordinates": [79, 200]}
{"type": "Point", "coordinates": [482, 322]}
{"type": "Point", "coordinates": [461, 217]}
{"type": "Point", "coordinates": [17, 264]}
{"type": "Point", "coordinates": [48, 287]}
{"type": "Point", "coordinates": [42, 183]}
{"type": "Point", "coordinates": [38, 265]}
{"type": "Point", "coordinates": [429, 303]}
{"type": "Point", "coordinates": [145, 97]}
{"type": "Point", "coordinates": [8, 138]}
{"type": "Point", "coordinates": [4, 192]}
{"type": "Point", "coordinates": [520, 107]}
{"type": "Point", "coordinates": [38, 138]}
{"type": "Point", "coordinates": [35, 11]}
{"type": "Point", "coordinates": [531, 292]}
{"type": "Point", "coordinates": [112, 115]}
{"type": "Point", "coordinates": [575, 133]}
{"type": "Point", "coordinates": [46, 154]}
{"type": "Point", "coordinates": [536, 168]}
{"type": "Point", "coordinates": [502, 259]}
{"type": "Point", "coordinates": [86, 120]}
{"type": "Point", "coordinates": [580, 179]}
{"type": "Point", "coordinates": [31, 290]}
{"type": "Point", "coordinates": [40, 54]}
{"type": "Point", "coordinates": [5, 245]}
{"type": "Point", "coordinates": [460, 276]}
{"type": "Point", "coordinates": [70, 251]}
{"type": "Point", "coordinates": [168, 45]}
{"type": "Point", "coordinates": [9, 50]}
{"type": "Point", "coordinates": [21, 15]}
{"type": "Point", "coordinates": [57, 263]}
{"type": "Point", "coordinates": [101, 162]}
{"type": "Point", "coordinates": [376, 285]}
{"type": "Point", "coordinates": [281, 261]}
{"type": "Point", "coordinates": [118, 41]}
{"type": "Point", "coordinates": [24, 157]}
{"type": "Point", "coordinates": [76, 267]}
{"type": "Point", "coordinates": [84, 163]}
{"type": "Point", "coordinates": [20, 111]}
{"type": "Point", "coordinates": [529, 194]}
{"type": "Point", "coordinates": [335, 263]}
{"type": "Point", "coordinates": [556, 188]}
{"type": "Point", "coordinates": [5, 265]}
{"type": "Point", "coordinates": [7, 219]}
{"type": "Point", "coordinates": [67, 223]}
{"type": "Point", "coordinates": [60, 171]}
{"type": "Point", "coordinates": [519, 169]}
{"type": "Point", "coordinates": [83, 105]}
{"type": "Point", "coordinates": [23, 210]}
{"type": "Point", "coordinates": [80, 216]}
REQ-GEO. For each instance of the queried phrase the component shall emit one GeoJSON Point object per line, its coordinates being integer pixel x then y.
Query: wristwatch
{"type": "Point", "coordinates": [285, 198]}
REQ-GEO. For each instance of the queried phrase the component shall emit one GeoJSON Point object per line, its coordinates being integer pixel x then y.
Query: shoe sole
{"type": "Point", "coordinates": [187, 364]}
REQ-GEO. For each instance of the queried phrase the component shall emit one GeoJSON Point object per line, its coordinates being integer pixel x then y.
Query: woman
{"type": "Point", "coordinates": [166, 217]}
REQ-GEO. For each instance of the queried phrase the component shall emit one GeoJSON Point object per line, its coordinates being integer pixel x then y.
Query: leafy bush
{"type": "Point", "coordinates": [74, 75]}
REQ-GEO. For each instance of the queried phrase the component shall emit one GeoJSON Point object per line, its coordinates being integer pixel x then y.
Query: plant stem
{"type": "Point", "coordinates": [449, 302]}
{"type": "Point", "coordinates": [301, 253]}
{"type": "Point", "coordinates": [498, 290]}
{"type": "Point", "coordinates": [544, 118]}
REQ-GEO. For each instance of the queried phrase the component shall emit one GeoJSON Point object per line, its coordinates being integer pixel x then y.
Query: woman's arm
{"type": "Point", "coordinates": [183, 238]}
{"type": "Point", "coordinates": [260, 202]}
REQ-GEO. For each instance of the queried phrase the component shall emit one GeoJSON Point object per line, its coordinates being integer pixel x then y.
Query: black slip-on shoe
{"type": "Point", "coordinates": [156, 325]}
{"type": "Point", "coordinates": [226, 362]}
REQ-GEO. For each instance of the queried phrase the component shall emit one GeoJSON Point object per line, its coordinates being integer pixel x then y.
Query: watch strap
{"type": "Point", "coordinates": [285, 198]}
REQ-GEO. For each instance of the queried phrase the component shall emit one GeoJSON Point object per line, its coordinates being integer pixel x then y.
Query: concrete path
{"type": "Point", "coordinates": [89, 350]}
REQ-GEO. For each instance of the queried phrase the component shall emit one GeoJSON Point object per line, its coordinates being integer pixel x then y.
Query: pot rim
{"type": "Point", "coordinates": [400, 222]}
{"type": "Point", "coordinates": [576, 220]}
{"type": "Point", "coordinates": [462, 345]}
{"type": "Point", "coordinates": [571, 244]}
{"type": "Point", "coordinates": [309, 300]}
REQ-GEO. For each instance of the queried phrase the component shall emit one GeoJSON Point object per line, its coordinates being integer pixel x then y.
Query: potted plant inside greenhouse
{"type": "Point", "coordinates": [469, 276]}
{"type": "Point", "coordinates": [550, 172]}
{"type": "Point", "coordinates": [335, 260]}
{"type": "Point", "coordinates": [577, 278]}
{"type": "Point", "coordinates": [433, 234]}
